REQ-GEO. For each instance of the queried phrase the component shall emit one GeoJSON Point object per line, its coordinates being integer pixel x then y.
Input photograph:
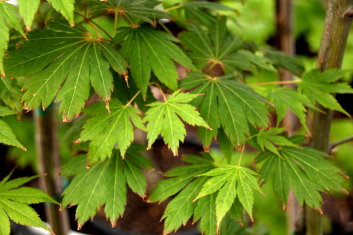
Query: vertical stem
{"type": "Point", "coordinates": [337, 24]}
{"type": "Point", "coordinates": [49, 166]}
{"type": "Point", "coordinates": [285, 43]}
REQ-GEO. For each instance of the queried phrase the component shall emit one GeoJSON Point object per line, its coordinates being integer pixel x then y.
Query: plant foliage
{"type": "Point", "coordinates": [117, 66]}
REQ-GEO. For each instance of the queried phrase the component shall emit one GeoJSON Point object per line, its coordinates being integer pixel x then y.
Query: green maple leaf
{"type": "Point", "coordinates": [133, 12]}
{"type": "Point", "coordinates": [8, 19]}
{"type": "Point", "coordinates": [230, 182]}
{"type": "Point", "coordinates": [305, 170]}
{"type": "Point", "coordinates": [319, 86]}
{"type": "Point", "coordinates": [205, 191]}
{"type": "Point", "coordinates": [104, 184]}
{"type": "Point", "coordinates": [228, 104]}
{"type": "Point", "coordinates": [148, 50]}
{"type": "Point", "coordinates": [281, 60]}
{"type": "Point", "coordinates": [184, 183]}
{"type": "Point", "coordinates": [28, 9]}
{"type": "Point", "coordinates": [105, 129]}
{"type": "Point", "coordinates": [218, 47]}
{"type": "Point", "coordinates": [165, 118]}
{"type": "Point", "coordinates": [271, 140]}
{"type": "Point", "coordinates": [64, 61]}
{"type": "Point", "coordinates": [15, 201]}
{"type": "Point", "coordinates": [286, 99]}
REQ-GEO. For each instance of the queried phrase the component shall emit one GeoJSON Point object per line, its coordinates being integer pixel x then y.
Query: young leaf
{"type": "Point", "coordinates": [165, 118]}
{"type": "Point", "coordinates": [204, 193]}
{"type": "Point", "coordinates": [227, 104]}
{"type": "Point", "coordinates": [103, 184]}
{"type": "Point", "coordinates": [14, 204]}
{"type": "Point", "coordinates": [146, 50]}
{"type": "Point", "coordinates": [106, 129]}
{"type": "Point", "coordinates": [239, 183]}
{"type": "Point", "coordinates": [319, 86]}
{"type": "Point", "coordinates": [304, 170]}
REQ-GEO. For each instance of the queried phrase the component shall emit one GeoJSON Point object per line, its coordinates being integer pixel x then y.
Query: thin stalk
{"type": "Point", "coordinates": [241, 155]}
{"type": "Point", "coordinates": [116, 16]}
{"type": "Point", "coordinates": [281, 82]}
{"type": "Point", "coordinates": [49, 167]}
{"type": "Point", "coordinates": [180, 5]}
{"type": "Point", "coordinates": [132, 99]}
{"type": "Point", "coordinates": [338, 21]}
{"type": "Point", "coordinates": [97, 25]}
{"type": "Point", "coordinates": [160, 88]}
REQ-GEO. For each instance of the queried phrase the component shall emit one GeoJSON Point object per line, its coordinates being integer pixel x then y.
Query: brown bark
{"type": "Point", "coordinates": [337, 24]}
{"type": "Point", "coordinates": [49, 166]}
{"type": "Point", "coordinates": [285, 43]}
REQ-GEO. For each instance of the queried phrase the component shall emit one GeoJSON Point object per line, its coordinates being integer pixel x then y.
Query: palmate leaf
{"type": "Point", "coordinates": [64, 55]}
{"type": "Point", "coordinates": [132, 11]}
{"type": "Point", "coordinates": [319, 86]}
{"type": "Point", "coordinates": [183, 183]}
{"type": "Point", "coordinates": [285, 99]}
{"type": "Point", "coordinates": [15, 201]}
{"type": "Point", "coordinates": [228, 104]}
{"type": "Point", "coordinates": [272, 140]}
{"type": "Point", "coordinates": [230, 182]}
{"type": "Point", "coordinates": [281, 60]}
{"type": "Point", "coordinates": [305, 170]}
{"type": "Point", "coordinates": [148, 50]}
{"type": "Point", "coordinates": [105, 129]}
{"type": "Point", "coordinates": [104, 184]}
{"type": "Point", "coordinates": [9, 19]}
{"type": "Point", "coordinates": [205, 191]}
{"type": "Point", "coordinates": [165, 118]}
{"type": "Point", "coordinates": [218, 47]}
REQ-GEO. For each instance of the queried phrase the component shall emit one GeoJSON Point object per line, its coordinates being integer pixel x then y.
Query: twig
{"type": "Point", "coordinates": [339, 142]}
{"type": "Point", "coordinates": [97, 25]}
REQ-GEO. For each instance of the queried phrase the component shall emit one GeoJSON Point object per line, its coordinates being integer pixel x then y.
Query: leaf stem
{"type": "Point", "coordinates": [174, 7]}
{"type": "Point", "coordinates": [97, 25]}
{"type": "Point", "coordinates": [339, 142]}
{"type": "Point", "coordinates": [116, 16]}
{"type": "Point", "coordinates": [241, 155]}
{"type": "Point", "coordinates": [162, 93]}
{"type": "Point", "coordinates": [132, 99]}
{"type": "Point", "coordinates": [276, 82]}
